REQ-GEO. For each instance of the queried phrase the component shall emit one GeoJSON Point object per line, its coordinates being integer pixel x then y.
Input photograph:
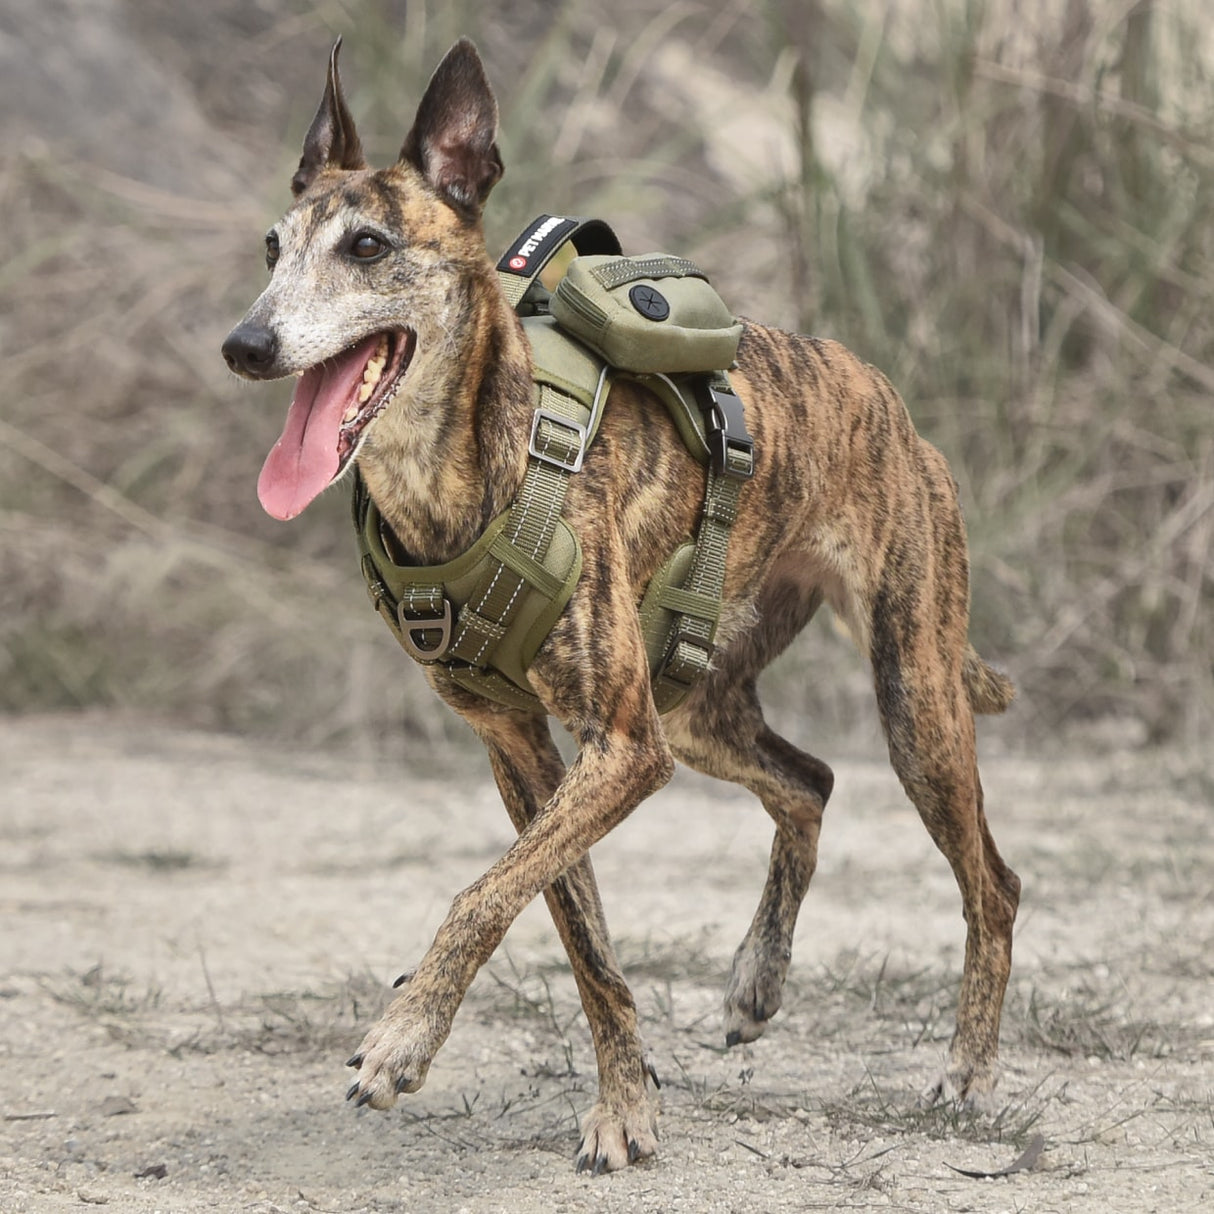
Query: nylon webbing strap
{"type": "Point", "coordinates": [521, 263]}
{"type": "Point", "coordinates": [697, 603]}
{"type": "Point", "coordinates": [558, 445]}
{"type": "Point", "coordinates": [631, 269]}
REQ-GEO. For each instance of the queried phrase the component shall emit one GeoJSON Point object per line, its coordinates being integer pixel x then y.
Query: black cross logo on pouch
{"type": "Point", "coordinates": [649, 302]}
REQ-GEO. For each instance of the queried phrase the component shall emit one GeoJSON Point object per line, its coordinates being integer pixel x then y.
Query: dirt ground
{"type": "Point", "coordinates": [195, 930]}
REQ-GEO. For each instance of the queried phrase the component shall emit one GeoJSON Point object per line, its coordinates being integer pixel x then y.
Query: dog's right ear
{"type": "Point", "coordinates": [332, 141]}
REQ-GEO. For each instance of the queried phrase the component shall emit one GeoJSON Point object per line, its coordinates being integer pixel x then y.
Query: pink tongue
{"type": "Point", "coordinates": [305, 459]}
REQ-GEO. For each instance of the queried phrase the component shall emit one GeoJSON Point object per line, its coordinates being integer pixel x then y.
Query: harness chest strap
{"type": "Point", "coordinates": [559, 434]}
{"type": "Point", "coordinates": [514, 581]}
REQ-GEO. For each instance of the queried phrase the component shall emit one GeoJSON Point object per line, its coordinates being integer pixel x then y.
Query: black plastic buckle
{"type": "Point", "coordinates": [729, 442]}
{"type": "Point", "coordinates": [414, 627]}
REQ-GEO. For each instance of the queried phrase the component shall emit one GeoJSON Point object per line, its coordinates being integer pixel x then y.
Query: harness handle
{"type": "Point", "coordinates": [521, 263]}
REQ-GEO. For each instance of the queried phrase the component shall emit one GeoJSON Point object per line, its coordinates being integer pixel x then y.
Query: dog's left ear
{"type": "Point", "coordinates": [331, 141]}
{"type": "Point", "coordinates": [453, 137]}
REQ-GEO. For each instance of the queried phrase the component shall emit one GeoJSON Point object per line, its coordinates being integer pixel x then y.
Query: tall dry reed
{"type": "Point", "coordinates": [1009, 211]}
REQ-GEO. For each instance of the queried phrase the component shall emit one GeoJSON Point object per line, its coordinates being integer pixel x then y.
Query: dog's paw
{"type": "Point", "coordinates": [754, 993]}
{"type": "Point", "coordinates": [612, 1137]}
{"type": "Point", "coordinates": [967, 1088]}
{"type": "Point", "coordinates": [394, 1057]}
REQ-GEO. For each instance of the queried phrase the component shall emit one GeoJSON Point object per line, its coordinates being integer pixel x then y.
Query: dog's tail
{"type": "Point", "coordinates": [988, 690]}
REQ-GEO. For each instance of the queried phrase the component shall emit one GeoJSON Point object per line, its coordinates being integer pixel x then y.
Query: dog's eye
{"type": "Point", "coordinates": [367, 247]}
{"type": "Point", "coordinates": [271, 250]}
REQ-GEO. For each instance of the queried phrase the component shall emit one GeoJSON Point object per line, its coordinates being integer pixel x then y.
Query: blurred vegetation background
{"type": "Point", "coordinates": [1005, 204]}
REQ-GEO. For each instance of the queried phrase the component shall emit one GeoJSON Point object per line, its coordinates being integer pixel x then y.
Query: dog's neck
{"type": "Point", "coordinates": [450, 455]}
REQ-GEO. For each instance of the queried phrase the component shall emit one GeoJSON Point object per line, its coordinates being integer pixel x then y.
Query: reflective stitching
{"type": "Point", "coordinates": [518, 524]}
{"type": "Point", "coordinates": [545, 530]}
{"type": "Point", "coordinates": [534, 554]}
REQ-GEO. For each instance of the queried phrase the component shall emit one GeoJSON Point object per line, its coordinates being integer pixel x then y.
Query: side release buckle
{"type": "Point", "coordinates": [729, 443]}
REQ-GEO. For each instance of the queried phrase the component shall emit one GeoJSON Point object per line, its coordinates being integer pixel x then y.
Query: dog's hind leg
{"type": "Point", "coordinates": [620, 1129]}
{"type": "Point", "coordinates": [721, 732]}
{"type": "Point", "coordinates": [918, 655]}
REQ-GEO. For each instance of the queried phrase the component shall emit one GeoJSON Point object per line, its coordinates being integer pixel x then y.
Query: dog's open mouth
{"type": "Point", "coordinates": [333, 405]}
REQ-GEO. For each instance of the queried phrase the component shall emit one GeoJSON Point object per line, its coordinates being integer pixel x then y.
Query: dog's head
{"type": "Point", "coordinates": [366, 271]}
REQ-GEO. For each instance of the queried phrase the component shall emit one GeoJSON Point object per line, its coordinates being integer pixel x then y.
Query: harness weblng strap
{"type": "Point", "coordinates": [696, 604]}
{"type": "Point", "coordinates": [559, 434]}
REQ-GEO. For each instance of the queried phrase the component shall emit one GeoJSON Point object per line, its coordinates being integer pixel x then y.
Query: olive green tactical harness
{"type": "Point", "coordinates": [484, 615]}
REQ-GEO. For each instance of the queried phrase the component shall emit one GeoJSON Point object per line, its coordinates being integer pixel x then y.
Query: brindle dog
{"type": "Point", "coordinates": [385, 303]}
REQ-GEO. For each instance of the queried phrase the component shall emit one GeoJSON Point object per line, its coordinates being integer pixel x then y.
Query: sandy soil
{"type": "Point", "coordinates": [195, 930]}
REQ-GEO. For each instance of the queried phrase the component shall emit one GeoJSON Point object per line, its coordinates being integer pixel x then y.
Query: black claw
{"type": "Point", "coordinates": [583, 1162]}
{"type": "Point", "coordinates": [402, 1083]}
{"type": "Point", "coordinates": [600, 1166]}
{"type": "Point", "coordinates": [732, 1038]}
{"type": "Point", "coordinates": [657, 1083]}
{"type": "Point", "coordinates": [405, 977]}
{"type": "Point", "coordinates": [634, 1150]}
{"type": "Point", "coordinates": [356, 1061]}
{"type": "Point", "coordinates": [365, 1098]}
{"type": "Point", "coordinates": [354, 1089]}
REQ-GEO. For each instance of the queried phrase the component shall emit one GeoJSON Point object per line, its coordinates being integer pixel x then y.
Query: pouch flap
{"type": "Point", "coordinates": [655, 313]}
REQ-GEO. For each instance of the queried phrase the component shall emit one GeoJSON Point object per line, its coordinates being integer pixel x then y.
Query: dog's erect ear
{"type": "Point", "coordinates": [452, 140]}
{"type": "Point", "coordinates": [332, 141]}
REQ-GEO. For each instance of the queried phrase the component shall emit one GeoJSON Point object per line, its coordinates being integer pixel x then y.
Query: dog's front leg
{"type": "Point", "coordinates": [623, 759]}
{"type": "Point", "coordinates": [621, 1128]}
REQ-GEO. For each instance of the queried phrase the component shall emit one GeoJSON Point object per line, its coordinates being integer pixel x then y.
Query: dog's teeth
{"type": "Point", "coordinates": [372, 374]}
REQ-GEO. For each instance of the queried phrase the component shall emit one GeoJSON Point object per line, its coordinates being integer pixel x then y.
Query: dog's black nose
{"type": "Point", "coordinates": [250, 350]}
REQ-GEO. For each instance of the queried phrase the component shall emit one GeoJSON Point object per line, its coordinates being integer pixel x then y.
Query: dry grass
{"type": "Point", "coordinates": [1015, 223]}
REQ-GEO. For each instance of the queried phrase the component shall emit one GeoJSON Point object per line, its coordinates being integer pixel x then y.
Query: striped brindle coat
{"type": "Point", "coordinates": [385, 303]}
